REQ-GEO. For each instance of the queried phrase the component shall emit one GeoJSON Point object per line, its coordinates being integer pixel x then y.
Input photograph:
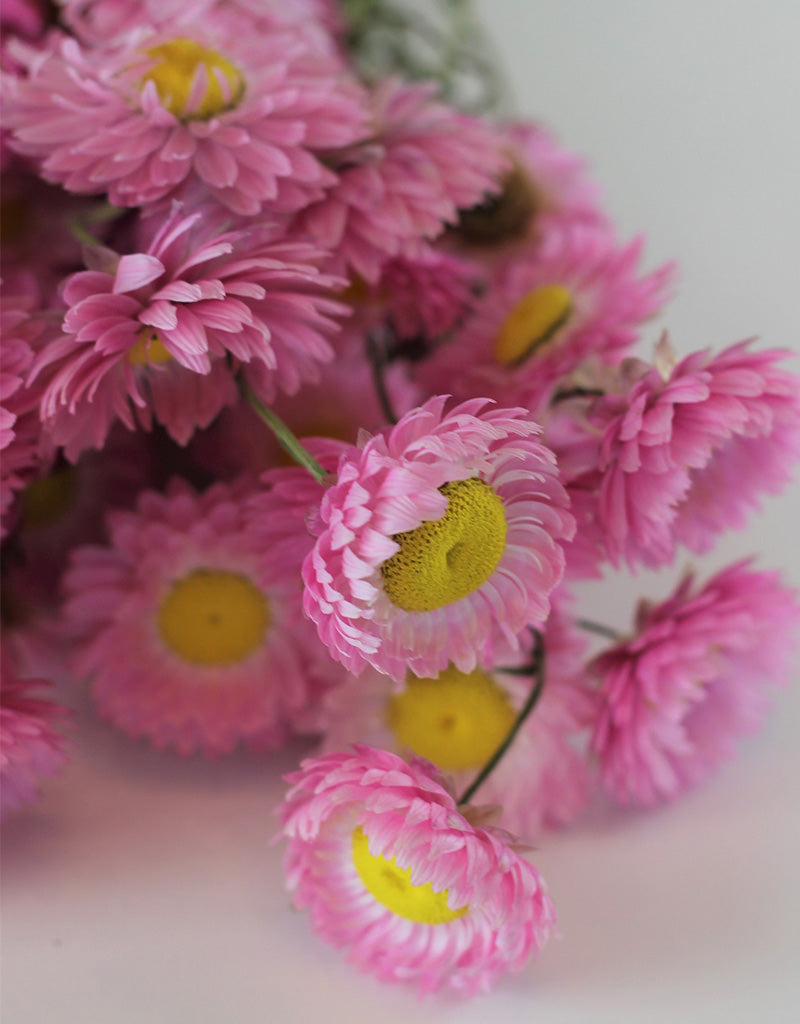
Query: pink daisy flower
{"type": "Point", "coordinates": [545, 190]}
{"type": "Point", "coordinates": [396, 875]}
{"type": "Point", "coordinates": [459, 719]}
{"type": "Point", "coordinates": [250, 115]}
{"type": "Point", "coordinates": [437, 541]}
{"type": "Point", "coordinates": [98, 21]}
{"type": "Point", "coordinates": [147, 334]}
{"type": "Point", "coordinates": [21, 330]}
{"type": "Point", "coordinates": [30, 747]}
{"type": "Point", "coordinates": [404, 183]}
{"type": "Point", "coordinates": [427, 296]}
{"type": "Point", "coordinates": [685, 454]}
{"type": "Point", "coordinates": [184, 637]}
{"type": "Point", "coordinates": [676, 697]}
{"type": "Point", "coordinates": [576, 296]}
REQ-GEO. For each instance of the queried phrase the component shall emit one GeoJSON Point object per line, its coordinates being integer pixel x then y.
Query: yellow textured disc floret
{"type": "Point", "coordinates": [446, 559]}
{"type": "Point", "coordinates": [148, 348]}
{"type": "Point", "coordinates": [211, 617]}
{"type": "Point", "coordinates": [457, 720]}
{"type": "Point", "coordinates": [173, 75]}
{"type": "Point", "coordinates": [532, 323]}
{"type": "Point", "coordinates": [391, 886]}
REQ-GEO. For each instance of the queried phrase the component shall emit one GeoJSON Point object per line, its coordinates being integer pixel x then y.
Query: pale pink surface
{"type": "Point", "coordinates": [694, 678]}
{"type": "Point", "coordinates": [544, 779]}
{"type": "Point", "coordinates": [95, 125]}
{"type": "Point", "coordinates": [684, 456]}
{"type": "Point", "coordinates": [390, 484]}
{"type": "Point", "coordinates": [113, 595]}
{"type": "Point", "coordinates": [611, 302]}
{"type": "Point", "coordinates": [405, 182]}
{"type": "Point", "coordinates": [407, 813]}
{"type": "Point", "coordinates": [206, 295]}
{"type": "Point", "coordinates": [30, 747]}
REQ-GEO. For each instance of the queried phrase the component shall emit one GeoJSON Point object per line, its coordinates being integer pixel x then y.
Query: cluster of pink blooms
{"type": "Point", "coordinates": [211, 220]}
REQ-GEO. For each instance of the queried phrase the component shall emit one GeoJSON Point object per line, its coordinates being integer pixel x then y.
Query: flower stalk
{"type": "Point", "coordinates": [286, 438]}
{"type": "Point", "coordinates": [537, 670]}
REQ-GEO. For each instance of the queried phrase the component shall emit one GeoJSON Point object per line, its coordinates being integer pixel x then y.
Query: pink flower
{"type": "Point", "coordinates": [404, 184]}
{"type": "Point", "coordinates": [686, 454]}
{"type": "Point", "coordinates": [427, 296]}
{"type": "Point", "coordinates": [545, 191]}
{"type": "Point", "coordinates": [543, 314]}
{"type": "Point", "coordinates": [437, 541]}
{"type": "Point", "coordinates": [396, 875]}
{"type": "Point", "coordinates": [147, 334]}
{"type": "Point", "coordinates": [250, 115]}
{"type": "Point", "coordinates": [184, 637]}
{"type": "Point", "coordinates": [21, 328]}
{"type": "Point", "coordinates": [458, 720]}
{"type": "Point", "coordinates": [694, 678]}
{"type": "Point", "coordinates": [98, 21]}
{"type": "Point", "coordinates": [30, 747]}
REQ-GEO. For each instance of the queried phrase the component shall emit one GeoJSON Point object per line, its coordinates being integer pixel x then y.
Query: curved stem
{"type": "Point", "coordinates": [285, 437]}
{"type": "Point", "coordinates": [538, 667]}
{"type": "Point", "coordinates": [597, 627]}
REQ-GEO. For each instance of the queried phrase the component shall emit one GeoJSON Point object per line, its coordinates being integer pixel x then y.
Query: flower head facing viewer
{"type": "Point", "coordinates": [395, 874]}
{"type": "Point", "coordinates": [438, 540]}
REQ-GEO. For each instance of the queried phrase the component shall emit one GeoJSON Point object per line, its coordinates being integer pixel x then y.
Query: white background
{"type": "Point", "coordinates": [144, 888]}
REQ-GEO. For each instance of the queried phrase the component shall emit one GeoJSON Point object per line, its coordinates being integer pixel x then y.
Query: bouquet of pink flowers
{"type": "Point", "coordinates": [320, 399]}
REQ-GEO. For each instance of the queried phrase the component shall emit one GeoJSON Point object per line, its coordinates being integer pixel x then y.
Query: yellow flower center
{"type": "Point", "coordinates": [446, 559]}
{"type": "Point", "coordinates": [532, 323]}
{"type": "Point", "coordinates": [391, 886]}
{"type": "Point", "coordinates": [148, 348]}
{"type": "Point", "coordinates": [46, 500]}
{"type": "Point", "coordinates": [457, 720]}
{"type": "Point", "coordinates": [174, 75]}
{"type": "Point", "coordinates": [211, 617]}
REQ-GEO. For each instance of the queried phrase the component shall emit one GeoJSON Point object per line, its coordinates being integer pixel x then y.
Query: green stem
{"type": "Point", "coordinates": [285, 437]}
{"type": "Point", "coordinates": [597, 627]}
{"type": "Point", "coordinates": [530, 703]}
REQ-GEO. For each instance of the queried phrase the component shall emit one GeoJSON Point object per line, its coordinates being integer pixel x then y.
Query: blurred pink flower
{"type": "Point", "coordinates": [542, 314]}
{"type": "Point", "coordinates": [30, 747]}
{"type": "Point", "coordinates": [22, 328]}
{"type": "Point", "coordinates": [183, 636]}
{"type": "Point", "coordinates": [98, 21]}
{"type": "Point", "coordinates": [685, 454]}
{"type": "Point", "coordinates": [691, 681]}
{"type": "Point", "coordinates": [397, 877]}
{"type": "Point", "coordinates": [250, 115]}
{"type": "Point", "coordinates": [545, 191]}
{"type": "Point", "coordinates": [405, 182]}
